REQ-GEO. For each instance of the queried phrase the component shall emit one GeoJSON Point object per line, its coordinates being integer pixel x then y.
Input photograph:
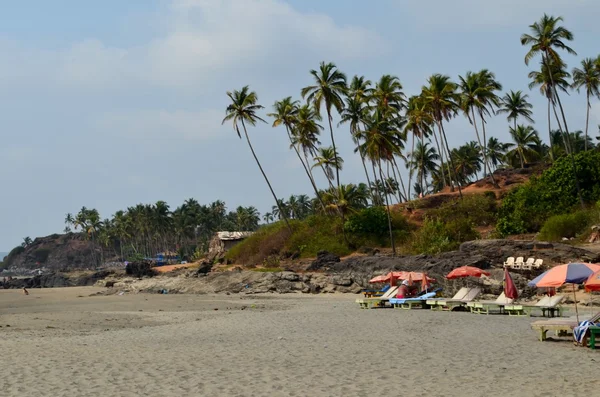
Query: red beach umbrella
{"type": "Point", "coordinates": [593, 282]}
{"type": "Point", "coordinates": [378, 279]}
{"type": "Point", "coordinates": [510, 290]}
{"type": "Point", "coordinates": [425, 283]}
{"type": "Point", "coordinates": [466, 271]}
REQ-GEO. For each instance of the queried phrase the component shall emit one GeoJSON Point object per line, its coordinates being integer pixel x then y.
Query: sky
{"type": "Point", "coordinates": [113, 103]}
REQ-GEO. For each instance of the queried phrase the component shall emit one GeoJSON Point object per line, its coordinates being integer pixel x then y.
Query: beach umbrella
{"type": "Point", "coordinates": [571, 273]}
{"type": "Point", "coordinates": [378, 279]}
{"type": "Point", "coordinates": [593, 282]}
{"type": "Point", "coordinates": [510, 290]}
{"type": "Point", "coordinates": [409, 280]}
{"type": "Point", "coordinates": [466, 271]}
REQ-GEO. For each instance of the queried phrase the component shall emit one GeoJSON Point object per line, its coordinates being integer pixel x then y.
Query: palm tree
{"type": "Point", "coordinates": [286, 113]}
{"type": "Point", "coordinates": [467, 161]}
{"type": "Point", "coordinates": [587, 77]}
{"type": "Point", "coordinates": [477, 93]}
{"type": "Point", "coordinates": [515, 105]}
{"type": "Point", "coordinates": [441, 100]}
{"type": "Point", "coordinates": [388, 95]}
{"type": "Point", "coordinates": [348, 199]}
{"type": "Point", "coordinates": [547, 37]}
{"type": "Point", "coordinates": [525, 139]}
{"type": "Point", "coordinates": [243, 110]}
{"type": "Point", "coordinates": [496, 151]}
{"type": "Point", "coordinates": [490, 102]}
{"type": "Point", "coordinates": [546, 80]}
{"type": "Point", "coordinates": [359, 89]}
{"type": "Point", "coordinates": [330, 86]}
{"type": "Point", "coordinates": [418, 123]}
{"type": "Point", "coordinates": [423, 159]}
{"type": "Point", "coordinates": [354, 113]}
{"type": "Point", "coordinates": [328, 159]}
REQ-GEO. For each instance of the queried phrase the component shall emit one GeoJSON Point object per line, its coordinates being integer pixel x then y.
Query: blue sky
{"type": "Point", "coordinates": [108, 104]}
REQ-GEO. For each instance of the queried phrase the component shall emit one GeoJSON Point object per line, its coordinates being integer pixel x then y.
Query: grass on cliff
{"type": "Point", "coordinates": [269, 244]}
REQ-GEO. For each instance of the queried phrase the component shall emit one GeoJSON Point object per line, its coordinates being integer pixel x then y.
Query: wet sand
{"type": "Point", "coordinates": [64, 342]}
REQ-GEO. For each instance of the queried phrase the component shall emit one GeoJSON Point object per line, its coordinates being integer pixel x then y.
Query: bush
{"type": "Point", "coordinates": [478, 209]}
{"type": "Point", "coordinates": [370, 227]}
{"type": "Point", "coordinates": [140, 269]}
{"type": "Point", "coordinates": [436, 236]}
{"type": "Point", "coordinates": [567, 225]}
{"type": "Point", "coordinates": [526, 208]}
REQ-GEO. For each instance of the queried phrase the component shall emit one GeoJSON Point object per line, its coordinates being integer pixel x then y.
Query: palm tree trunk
{"type": "Point", "coordinates": [482, 147]}
{"type": "Point", "coordinates": [398, 194]}
{"type": "Point", "coordinates": [412, 153]}
{"type": "Point", "coordinates": [337, 166]}
{"type": "Point", "coordinates": [387, 207]}
{"type": "Point", "coordinates": [312, 182]}
{"type": "Point", "coordinates": [448, 157]}
{"type": "Point", "coordinates": [441, 158]}
{"type": "Point", "coordinates": [395, 164]}
{"type": "Point", "coordinates": [485, 156]}
{"type": "Point", "coordinates": [376, 185]}
{"type": "Point", "coordinates": [549, 133]}
{"type": "Point", "coordinates": [587, 122]}
{"type": "Point", "coordinates": [265, 176]}
{"type": "Point", "coordinates": [445, 140]}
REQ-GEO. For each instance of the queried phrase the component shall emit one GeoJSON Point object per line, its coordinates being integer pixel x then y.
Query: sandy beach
{"type": "Point", "coordinates": [64, 342]}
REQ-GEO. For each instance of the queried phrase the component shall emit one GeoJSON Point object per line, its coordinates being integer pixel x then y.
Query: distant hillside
{"type": "Point", "coordinates": [55, 252]}
{"type": "Point", "coordinates": [2, 255]}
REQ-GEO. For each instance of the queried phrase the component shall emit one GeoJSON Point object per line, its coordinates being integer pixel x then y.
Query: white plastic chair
{"type": "Point", "coordinates": [529, 264]}
{"type": "Point", "coordinates": [510, 262]}
{"type": "Point", "coordinates": [538, 263]}
{"type": "Point", "coordinates": [518, 264]}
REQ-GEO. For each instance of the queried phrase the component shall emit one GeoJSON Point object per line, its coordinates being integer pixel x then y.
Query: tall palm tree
{"type": "Point", "coordinates": [286, 114]}
{"type": "Point", "coordinates": [477, 93]}
{"type": "Point", "coordinates": [442, 101]}
{"type": "Point", "coordinates": [587, 77]}
{"type": "Point", "coordinates": [490, 101]}
{"type": "Point", "coordinates": [360, 88]}
{"type": "Point", "coordinates": [468, 161]}
{"type": "Point", "coordinates": [242, 110]}
{"type": "Point", "coordinates": [329, 88]}
{"type": "Point", "coordinates": [525, 139]}
{"type": "Point", "coordinates": [515, 105]}
{"type": "Point", "coordinates": [547, 36]}
{"type": "Point", "coordinates": [388, 95]}
{"type": "Point", "coordinates": [549, 80]}
{"type": "Point", "coordinates": [418, 123]}
{"type": "Point", "coordinates": [354, 113]}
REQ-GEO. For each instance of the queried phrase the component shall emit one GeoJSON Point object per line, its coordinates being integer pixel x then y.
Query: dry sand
{"type": "Point", "coordinates": [64, 342]}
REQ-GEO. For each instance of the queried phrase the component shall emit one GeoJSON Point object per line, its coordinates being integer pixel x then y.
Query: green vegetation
{"type": "Point", "coordinates": [526, 208]}
{"type": "Point", "coordinates": [567, 225]}
{"type": "Point", "coordinates": [436, 236]}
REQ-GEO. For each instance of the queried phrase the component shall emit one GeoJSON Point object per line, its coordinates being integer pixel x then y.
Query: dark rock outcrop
{"type": "Point", "coordinates": [324, 260]}
{"type": "Point", "coordinates": [54, 280]}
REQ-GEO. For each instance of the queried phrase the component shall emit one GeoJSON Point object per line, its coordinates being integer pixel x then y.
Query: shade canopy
{"type": "Point", "coordinates": [413, 276]}
{"type": "Point", "coordinates": [593, 282]}
{"type": "Point", "coordinates": [571, 273]}
{"type": "Point", "coordinates": [466, 271]}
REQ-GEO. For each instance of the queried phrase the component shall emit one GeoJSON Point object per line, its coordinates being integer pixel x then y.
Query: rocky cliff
{"type": "Point", "coordinates": [55, 252]}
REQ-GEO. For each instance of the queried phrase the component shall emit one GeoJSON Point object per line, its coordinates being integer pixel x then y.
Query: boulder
{"type": "Point", "coordinates": [324, 260]}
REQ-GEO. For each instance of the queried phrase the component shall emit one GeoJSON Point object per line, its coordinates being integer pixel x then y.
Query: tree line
{"type": "Point", "coordinates": [383, 121]}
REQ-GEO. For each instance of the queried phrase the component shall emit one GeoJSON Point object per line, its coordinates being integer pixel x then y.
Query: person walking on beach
{"type": "Point", "coordinates": [25, 291]}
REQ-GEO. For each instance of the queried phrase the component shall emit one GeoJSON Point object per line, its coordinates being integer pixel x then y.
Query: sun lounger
{"type": "Point", "coordinates": [369, 293]}
{"type": "Point", "coordinates": [510, 261]}
{"type": "Point", "coordinates": [451, 304]}
{"type": "Point", "coordinates": [529, 264]}
{"type": "Point", "coordinates": [518, 263]}
{"type": "Point", "coordinates": [459, 295]}
{"type": "Point", "coordinates": [561, 327]}
{"type": "Point", "coordinates": [370, 303]}
{"type": "Point", "coordinates": [548, 305]}
{"type": "Point", "coordinates": [487, 307]}
{"type": "Point", "coordinates": [538, 263]}
{"type": "Point", "coordinates": [410, 303]}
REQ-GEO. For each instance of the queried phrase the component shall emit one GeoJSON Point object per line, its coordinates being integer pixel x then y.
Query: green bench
{"type": "Point", "coordinates": [594, 331]}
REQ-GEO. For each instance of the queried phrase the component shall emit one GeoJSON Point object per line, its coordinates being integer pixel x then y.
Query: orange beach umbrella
{"type": "Point", "coordinates": [466, 271]}
{"type": "Point", "coordinates": [593, 282]}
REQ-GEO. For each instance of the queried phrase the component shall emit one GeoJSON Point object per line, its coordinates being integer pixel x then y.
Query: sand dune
{"type": "Point", "coordinates": [62, 342]}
